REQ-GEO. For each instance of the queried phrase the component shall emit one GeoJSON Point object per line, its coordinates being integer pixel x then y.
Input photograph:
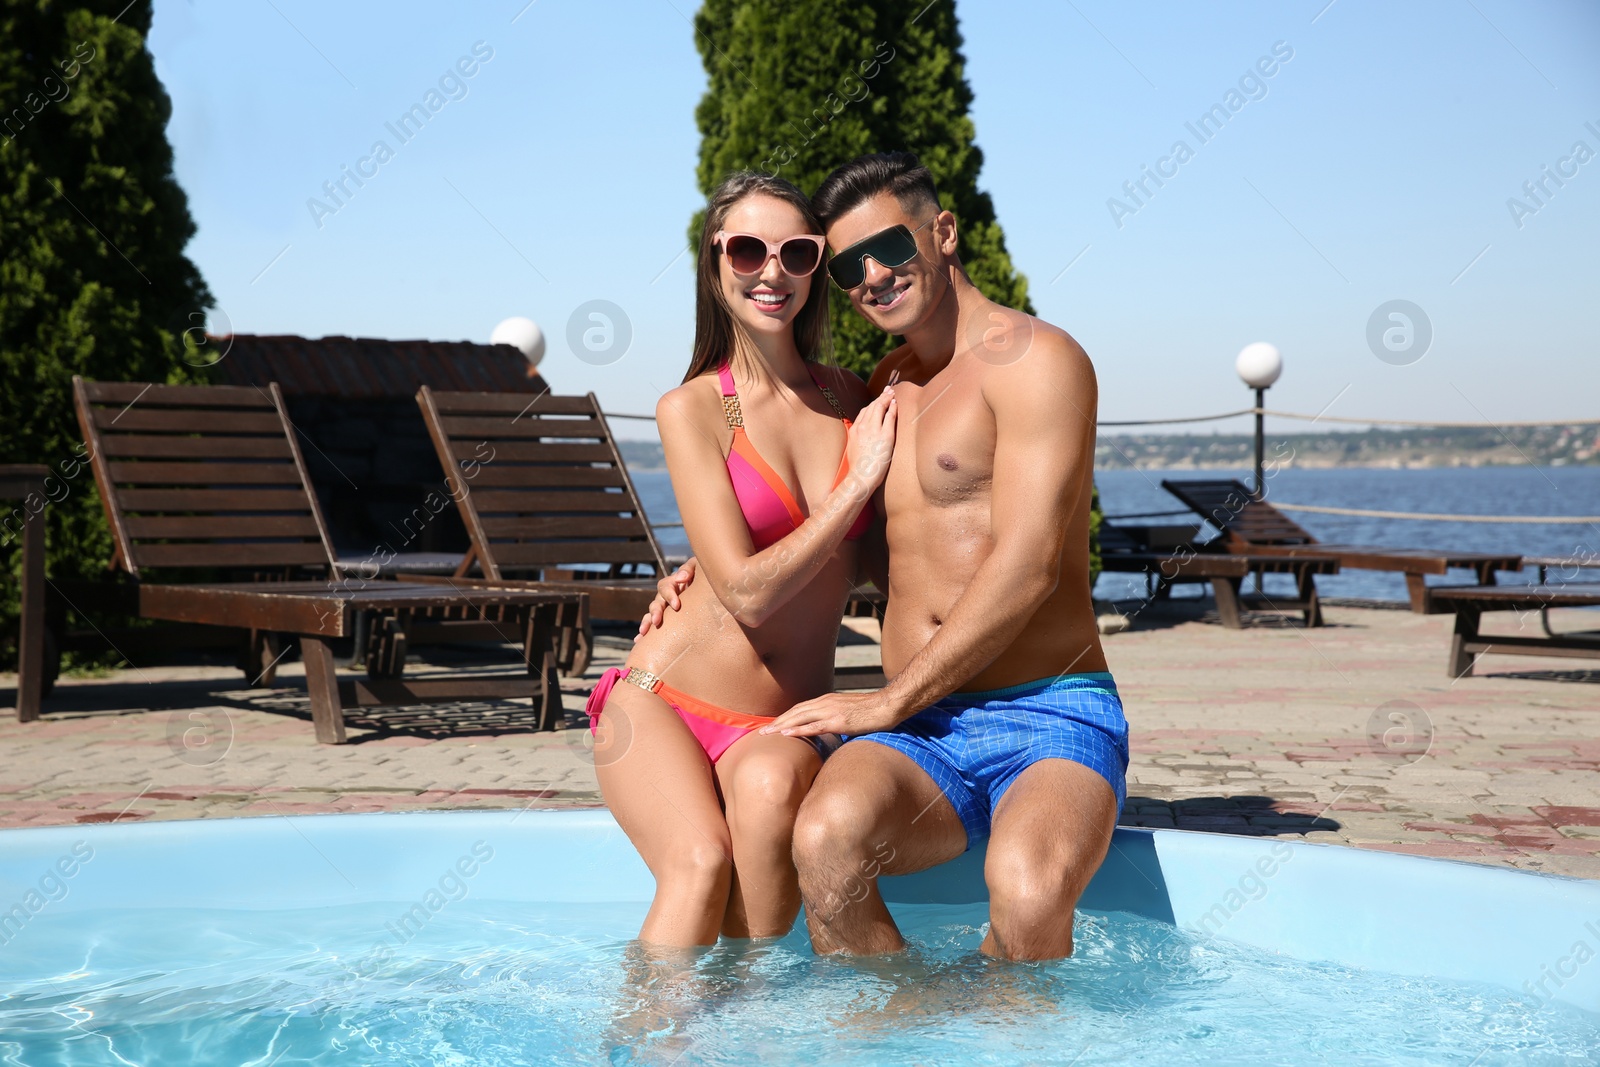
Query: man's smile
{"type": "Point", "coordinates": [887, 297]}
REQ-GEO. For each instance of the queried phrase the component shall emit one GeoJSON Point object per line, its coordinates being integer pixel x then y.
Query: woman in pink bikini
{"type": "Point", "coordinates": [774, 459]}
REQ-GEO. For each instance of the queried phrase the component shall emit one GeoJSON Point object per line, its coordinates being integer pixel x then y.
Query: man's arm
{"type": "Point", "coordinates": [1044, 408]}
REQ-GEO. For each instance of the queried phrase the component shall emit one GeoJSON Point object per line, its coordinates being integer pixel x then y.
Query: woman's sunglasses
{"type": "Point", "coordinates": [893, 247]}
{"type": "Point", "coordinates": [748, 254]}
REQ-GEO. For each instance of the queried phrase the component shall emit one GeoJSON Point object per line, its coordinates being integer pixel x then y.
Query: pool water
{"type": "Point", "coordinates": [481, 982]}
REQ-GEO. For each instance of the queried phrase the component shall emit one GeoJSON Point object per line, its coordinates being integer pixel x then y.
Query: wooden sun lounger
{"type": "Point", "coordinates": [547, 500]}
{"type": "Point", "coordinates": [1255, 527]}
{"type": "Point", "coordinates": [211, 479]}
{"type": "Point", "coordinates": [1166, 555]}
{"type": "Point", "coordinates": [1469, 602]}
{"type": "Point", "coordinates": [1567, 566]}
{"type": "Point", "coordinates": [542, 488]}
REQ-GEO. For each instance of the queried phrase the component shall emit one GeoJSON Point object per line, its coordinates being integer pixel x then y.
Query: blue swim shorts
{"type": "Point", "coordinates": [974, 745]}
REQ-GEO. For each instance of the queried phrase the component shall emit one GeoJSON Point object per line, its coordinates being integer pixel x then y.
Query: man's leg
{"type": "Point", "coordinates": [871, 811]}
{"type": "Point", "coordinates": [1050, 833]}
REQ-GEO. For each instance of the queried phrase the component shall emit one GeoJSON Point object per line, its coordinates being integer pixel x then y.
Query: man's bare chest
{"type": "Point", "coordinates": [944, 448]}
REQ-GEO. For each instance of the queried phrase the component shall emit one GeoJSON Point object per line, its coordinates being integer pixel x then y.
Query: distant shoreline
{"type": "Point", "coordinates": [1419, 448]}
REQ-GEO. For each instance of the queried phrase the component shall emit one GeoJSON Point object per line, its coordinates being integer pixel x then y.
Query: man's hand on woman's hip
{"type": "Point", "coordinates": [850, 714]}
{"type": "Point", "coordinates": [668, 593]}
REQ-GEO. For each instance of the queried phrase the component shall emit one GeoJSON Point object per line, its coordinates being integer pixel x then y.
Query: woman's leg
{"type": "Point", "coordinates": [657, 782]}
{"type": "Point", "coordinates": [764, 778]}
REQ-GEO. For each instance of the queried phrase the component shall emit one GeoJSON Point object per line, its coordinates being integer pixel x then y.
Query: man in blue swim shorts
{"type": "Point", "coordinates": [1000, 719]}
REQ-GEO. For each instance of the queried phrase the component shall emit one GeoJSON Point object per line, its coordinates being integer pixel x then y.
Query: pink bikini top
{"type": "Point", "coordinates": [770, 510]}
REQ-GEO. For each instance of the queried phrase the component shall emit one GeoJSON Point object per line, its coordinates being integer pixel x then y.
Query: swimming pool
{"type": "Point", "coordinates": [505, 937]}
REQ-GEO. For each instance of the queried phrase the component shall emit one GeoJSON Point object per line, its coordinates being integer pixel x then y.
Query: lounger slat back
{"type": "Point", "coordinates": [540, 452]}
{"type": "Point", "coordinates": [200, 477]}
{"type": "Point", "coordinates": [511, 474]}
{"type": "Point", "coordinates": [151, 396]}
{"type": "Point", "coordinates": [566, 527]}
{"type": "Point", "coordinates": [491, 405]}
{"type": "Point", "coordinates": [556, 553]}
{"type": "Point", "coordinates": [531, 423]}
{"type": "Point", "coordinates": [134, 419]}
{"type": "Point", "coordinates": [1230, 507]}
{"type": "Point", "coordinates": [497, 501]}
{"type": "Point", "coordinates": [540, 483]}
{"type": "Point", "coordinates": [152, 446]}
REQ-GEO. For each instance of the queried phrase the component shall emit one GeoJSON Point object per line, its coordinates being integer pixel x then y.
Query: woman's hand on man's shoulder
{"type": "Point", "coordinates": [889, 370]}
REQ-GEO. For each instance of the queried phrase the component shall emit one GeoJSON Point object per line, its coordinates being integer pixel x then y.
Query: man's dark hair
{"type": "Point", "coordinates": [864, 177]}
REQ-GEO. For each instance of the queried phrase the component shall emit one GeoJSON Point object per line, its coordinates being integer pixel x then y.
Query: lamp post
{"type": "Point", "coordinates": [1259, 364]}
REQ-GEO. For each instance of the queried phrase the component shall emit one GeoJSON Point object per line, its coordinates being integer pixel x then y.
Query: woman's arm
{"type": "Point", "coordinates": [753, 585]}
{"type": "Point", "coordinates": [872, 565]}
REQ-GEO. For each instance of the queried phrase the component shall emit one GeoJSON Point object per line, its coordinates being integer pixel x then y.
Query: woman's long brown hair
{"type": "Point", "coordinates": [717, 334]}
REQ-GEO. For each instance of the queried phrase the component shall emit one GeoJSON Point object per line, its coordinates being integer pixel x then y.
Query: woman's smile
{"type": "Point", "coordinates": [769, 301]}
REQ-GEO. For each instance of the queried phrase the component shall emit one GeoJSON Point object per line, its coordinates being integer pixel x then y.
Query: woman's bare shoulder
{"type": "Point", "coordinates": [693, 403]}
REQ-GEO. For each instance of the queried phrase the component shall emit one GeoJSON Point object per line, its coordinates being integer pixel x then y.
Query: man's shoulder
{"type": "Point", "coordinates": [1028, 347]}
{"type": "Point", "coordinates": [1047, 366]}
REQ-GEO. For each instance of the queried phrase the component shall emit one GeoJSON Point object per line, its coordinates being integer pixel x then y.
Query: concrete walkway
{"type": "Point", "coordinates": [1349, 734]}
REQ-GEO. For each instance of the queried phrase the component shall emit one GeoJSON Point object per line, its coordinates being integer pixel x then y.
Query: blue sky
{"type": "Point", "coordinates": [1374, 164]}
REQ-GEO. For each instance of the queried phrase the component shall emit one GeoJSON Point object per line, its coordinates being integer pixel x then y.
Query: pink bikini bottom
{"type": "Point", "coordinates": [715, 728]}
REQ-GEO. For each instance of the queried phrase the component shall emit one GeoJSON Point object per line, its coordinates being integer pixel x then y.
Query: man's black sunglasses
{"type": "Point", "coordinates": [893, 247]}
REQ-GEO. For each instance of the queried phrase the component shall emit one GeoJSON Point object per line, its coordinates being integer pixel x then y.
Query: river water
{"type": "Point", "coordinates": [1520, 490]}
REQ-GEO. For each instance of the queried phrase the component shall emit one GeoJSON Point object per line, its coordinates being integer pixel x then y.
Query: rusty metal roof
{"type": "Point", "coordinates": [370, 367]}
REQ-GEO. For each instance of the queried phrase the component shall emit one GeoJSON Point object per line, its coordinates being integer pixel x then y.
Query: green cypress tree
{"type": "Point", "coordinates": [799, 88]}
{"type": "Point", "coordinates": [93, 279]}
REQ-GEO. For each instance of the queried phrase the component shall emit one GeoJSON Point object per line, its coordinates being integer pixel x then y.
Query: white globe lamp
{"type": "Point", "coordinates": [1259, 364]}
{"type": "Point", "coordinates": [522, 334]}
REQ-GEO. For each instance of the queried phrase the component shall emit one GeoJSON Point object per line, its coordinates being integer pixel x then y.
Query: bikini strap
{"type": "Point", "coordinates": [827, 394]}
{"type": "Point", "coordinates": [645, 680]}
{"type": "Point", "coordinates": [730, 398]}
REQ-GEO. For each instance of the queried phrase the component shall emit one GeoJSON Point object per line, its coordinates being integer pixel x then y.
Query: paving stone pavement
{"type": "Point", "coordinates": [1349, 734]}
